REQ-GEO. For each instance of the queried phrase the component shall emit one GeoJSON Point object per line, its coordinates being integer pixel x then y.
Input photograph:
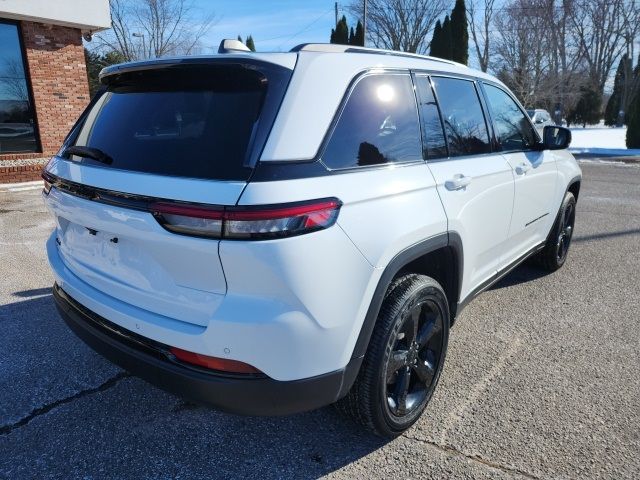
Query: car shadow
{"type": "Point", "coordinates": [527, 272]}
{"type": "Point", "coordinates": [36, 292]}
{"type": "Point", "coordinates": [171, 430]}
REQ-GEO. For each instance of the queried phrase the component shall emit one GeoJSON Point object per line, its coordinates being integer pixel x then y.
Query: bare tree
{"type": "Point", "coordinates": [480, 23]}
{"type": "Point", "coordinates": [631, 34]}
{"type": "Point", "coordinates": [598, 26]}
{"type": "Point", "coordinates": [521, 49]}
{"type": "Point", "coordinates": [154, 28]}
{"type": "Point", "coordinates": [566, 66]}
{"type": "Point", "coordinates": [403, 25]}
{"type": "Point", "coordinates": [12, 76]}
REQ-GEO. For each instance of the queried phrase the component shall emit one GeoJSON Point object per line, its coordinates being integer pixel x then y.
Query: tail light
{"type": "Point", "coordinates": [189, 219]}
{"type": "Point", "coordinates": [213, 363]}
{"type": "Point", "coordinates": [254, 223]}
{"type": "Point", "coordinates": [46, 188]}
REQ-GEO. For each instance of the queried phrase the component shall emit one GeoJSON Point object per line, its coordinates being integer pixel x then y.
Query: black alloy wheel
{"type": "Point", "coordinates": [555, 251]}
{"type": "Point", "coordinates": [413, 362]}
{"type": "Point", "coordinates": [566, 231]}
{"type": "Point", "coordinates": [404, 359]}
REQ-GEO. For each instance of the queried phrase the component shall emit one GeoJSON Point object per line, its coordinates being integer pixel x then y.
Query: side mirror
{"type": "Point", "coordinates": [555, 138]}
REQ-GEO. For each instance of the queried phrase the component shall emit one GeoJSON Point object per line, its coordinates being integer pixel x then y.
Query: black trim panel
{"type": "Point", "coordinates": [235, 393]}
{"type": "Point", "coordinates": [424, 247]}
{"type": "Point", "coordinates": [536, 219]}
{"type": "Point", "coordinates": [498, 276]}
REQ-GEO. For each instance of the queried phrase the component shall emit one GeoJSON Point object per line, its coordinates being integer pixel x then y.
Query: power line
{"type": "Point", "coordinates": [307, 27]}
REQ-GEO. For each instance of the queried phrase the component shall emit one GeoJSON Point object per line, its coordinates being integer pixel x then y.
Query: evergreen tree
{"type": "Point", "coordinates": [95, 63]}
{"type": "Point", "coordinates": [352, 36]}
{"type": "Point", "coordinates": [358, 39]}
{"type": "Point", "coordinates": [240, 39]}
{"type": "Point", "coordinates": [588, 108]}
{"type": "Point", "coordinates": [340, 34]}
{"type": "Point", "coordinates": [459, 33]}
{"type": "Point", "coordinates": [435, 49]}
{"type": "Point", "coordinates": [446, 36]}
{"type": "Point", "coordinates": [633, 116]}
{"type": "Point", "coordinates": [250, 44]}
{"type": "Point", "coordinates": [614, 104]}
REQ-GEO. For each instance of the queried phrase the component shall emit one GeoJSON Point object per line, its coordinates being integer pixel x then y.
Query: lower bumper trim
{"type": "Point", "coordinates": [241, 394]}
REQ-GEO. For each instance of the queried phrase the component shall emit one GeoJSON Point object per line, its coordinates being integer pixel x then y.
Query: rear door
{"type": "Point", "coordinates": [535, 173]}
{"type": "Point", "coordinates": [475, 185]}
{"type": "Point", "coordinates": [175, 144]}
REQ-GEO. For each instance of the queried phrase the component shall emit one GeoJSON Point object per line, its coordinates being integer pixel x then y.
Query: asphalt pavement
{"type": "Point", "coordinates": [542, 378]}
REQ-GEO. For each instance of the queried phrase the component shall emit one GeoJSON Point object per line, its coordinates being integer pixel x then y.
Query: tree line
{"type": "Point", "coordinates": [553, 54]}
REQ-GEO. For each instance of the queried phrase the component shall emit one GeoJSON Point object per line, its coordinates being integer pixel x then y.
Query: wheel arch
{"type": "Point", "coordinates": [440, 257]}
{"type": "Point", "coordinates": [574, 187]}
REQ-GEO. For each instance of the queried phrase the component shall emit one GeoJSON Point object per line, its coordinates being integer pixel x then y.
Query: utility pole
{"type": "Point", "coordinates": [364, 25]}
{"type": "Point", "coordinates": [336, 9]}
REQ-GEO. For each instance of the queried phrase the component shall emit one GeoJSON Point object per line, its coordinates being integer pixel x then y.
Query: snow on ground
{"type": "Point", "coordinates": [601, 141]}
{"type": "Point", "coordinates": [598, 137]}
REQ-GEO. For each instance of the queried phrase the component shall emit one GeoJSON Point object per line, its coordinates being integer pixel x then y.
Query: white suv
{"type": "Point", "coordinates": [271, 233]}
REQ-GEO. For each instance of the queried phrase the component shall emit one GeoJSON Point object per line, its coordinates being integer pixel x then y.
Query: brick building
{"type": "Point", "coordinates": [43, 80]}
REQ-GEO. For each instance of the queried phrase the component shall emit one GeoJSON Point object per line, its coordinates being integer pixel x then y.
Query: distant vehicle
{"type": "Point", "coordinates": [254, 234]}
{"type": "Point", "coordinates": [540, 118]}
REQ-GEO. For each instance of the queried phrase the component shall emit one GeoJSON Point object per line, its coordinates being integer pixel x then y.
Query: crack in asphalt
{"type": "Point", "coordinates": [7, 429]}
{"type": "Point", "coordinates": [451, 450]}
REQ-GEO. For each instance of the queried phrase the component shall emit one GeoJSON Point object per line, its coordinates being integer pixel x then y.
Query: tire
{"type": "Point", "coordinates": [404, 358]}
{"type": "Point", "coordinates": [556, 249]}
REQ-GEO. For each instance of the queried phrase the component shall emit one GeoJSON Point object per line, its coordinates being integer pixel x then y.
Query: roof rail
{"type": "Point", "coordinates": [336, 48]}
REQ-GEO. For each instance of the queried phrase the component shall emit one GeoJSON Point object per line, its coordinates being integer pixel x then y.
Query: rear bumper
{"type": "Point", "coordinates": [243, 394]}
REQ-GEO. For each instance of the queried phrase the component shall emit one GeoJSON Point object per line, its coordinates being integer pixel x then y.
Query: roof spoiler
{"type": "Point", "coordinates": [232, 46]}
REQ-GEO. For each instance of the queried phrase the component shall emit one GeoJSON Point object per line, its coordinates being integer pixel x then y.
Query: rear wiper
{"type": "Point", "coordinates": [89, 152]}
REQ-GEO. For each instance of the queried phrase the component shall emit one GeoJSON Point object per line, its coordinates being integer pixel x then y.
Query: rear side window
{"type": "Point", "coordinates": [513, 128]}
{"type": "Point", "coordinates": [378, 125]}
{"type": "Point", "coordinates": [435, 145]}
{"type": "Point", "coordinates": [464, 122]}
{"type": "Point", "coordinates": [194, 122]}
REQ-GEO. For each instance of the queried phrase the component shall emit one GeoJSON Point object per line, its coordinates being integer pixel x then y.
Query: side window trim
{"type": "Point", "coordinates": [493, 147]}
{"type": "Point", "coordinates": [415, 75]}
{"type": "Point", "coordinates": [340, 110]}
{"type": "Point", "coordinates": [493, 135]}
{"type": "Point", "coordinates": [520, 107]}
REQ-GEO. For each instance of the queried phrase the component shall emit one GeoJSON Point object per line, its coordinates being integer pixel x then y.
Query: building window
{"type": "Point", "coordinates": [17, 119]}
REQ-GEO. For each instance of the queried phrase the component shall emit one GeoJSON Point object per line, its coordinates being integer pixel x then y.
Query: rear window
{"type": "Point", "coordinates": [378, 125]}
{"type": "Point", "coordinates": [197, 121]}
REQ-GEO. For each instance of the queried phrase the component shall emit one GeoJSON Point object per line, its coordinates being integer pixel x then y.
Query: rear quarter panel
{"type": "Point", "coordinates": [384, 211]}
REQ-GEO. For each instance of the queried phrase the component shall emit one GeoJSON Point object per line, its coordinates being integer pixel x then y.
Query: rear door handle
{"type": "Point", "coordinates": [522, 169]}
{"type": "Point", "coordinates": [458, 182]}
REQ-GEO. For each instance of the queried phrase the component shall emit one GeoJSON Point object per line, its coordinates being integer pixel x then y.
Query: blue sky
{"type": "Point", "coordinates": [276, 25]}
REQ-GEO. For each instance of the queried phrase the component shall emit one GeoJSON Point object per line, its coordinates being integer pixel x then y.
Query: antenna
{"type": "Point", "coordinates": [232, 46]}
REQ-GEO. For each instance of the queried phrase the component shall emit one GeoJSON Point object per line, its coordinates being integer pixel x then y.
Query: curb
{"type": "Point", "coordinates": [20, 187]}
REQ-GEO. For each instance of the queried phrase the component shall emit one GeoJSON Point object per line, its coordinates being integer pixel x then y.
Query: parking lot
{"type": "Point", "coordinates": [542, 378]}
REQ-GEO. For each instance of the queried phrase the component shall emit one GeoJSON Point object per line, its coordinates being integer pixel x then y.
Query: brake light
{"type": "Point", "coordinates": [261, 222]}
{"type": "Point", "coordinates": [213, 363]}
{"type": "Point", "coordinates": [189, 219]}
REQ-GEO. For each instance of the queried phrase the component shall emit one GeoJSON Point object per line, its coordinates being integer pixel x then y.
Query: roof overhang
{"type": "Point", "coordinates": [88, 15]}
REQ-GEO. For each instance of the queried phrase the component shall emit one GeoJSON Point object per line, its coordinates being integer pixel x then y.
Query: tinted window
{"type": "Point", "coordinates": [462, 115]}
{"type": "Point", "coordinates": [513, 129]}
{"type": "Point", "coordinates": [17, 125]}
{"type": "Point", "coordinates": [435, 145]}
{"type": "Point", "coordinates": [195, 122]}
{"type": "Point", "coordinates": [379, 124]}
